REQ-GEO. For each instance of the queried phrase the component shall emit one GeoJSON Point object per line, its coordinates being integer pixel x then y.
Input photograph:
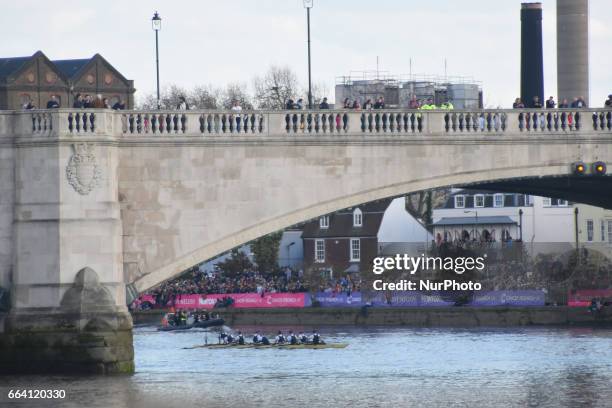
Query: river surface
{"type": "Point", "coordinates": [382, 367]}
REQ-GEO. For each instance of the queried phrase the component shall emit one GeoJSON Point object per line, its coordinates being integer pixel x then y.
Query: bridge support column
{"type": "Point", "coordinates": [68, 312]}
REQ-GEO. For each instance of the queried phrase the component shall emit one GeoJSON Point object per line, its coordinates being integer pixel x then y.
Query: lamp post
{"type": "Point", "coordinates": [308, 4]}
{"type": "Point", "coordinates": [156, 24]}
{"type": "Point", "coordinates": [474, 230]}
{"type": "Point", "coordinates": [289, 253]}
{"type": "Point", "coordinates": [521, 224]}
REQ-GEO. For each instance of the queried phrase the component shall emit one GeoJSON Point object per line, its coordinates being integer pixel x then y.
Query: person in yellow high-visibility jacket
{"type": "Point", "coordinates": [429, 105]}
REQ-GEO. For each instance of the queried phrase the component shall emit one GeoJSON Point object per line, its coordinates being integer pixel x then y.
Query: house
{"type": "Point", "coordinates": [36, 78]}
{"type": "Point", "coordinates": [345, 241]}
{"type": "Point", "coordinates": [546, 224]}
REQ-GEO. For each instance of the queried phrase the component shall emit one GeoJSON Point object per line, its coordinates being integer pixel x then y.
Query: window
{"type": "Point", "coordinates": [498, 200]}
{"type": "Point", "coordinates": [324, 221]}
{"type": "Point", "coordinates": [603, 231]}
{"type": "Point", "coordinates": [479, 200]}
{"type": "Point", "coordinates": [562, 203]}
{"type": "Point", "coordinates": [546, 202]}
{"type": "Point", "coordinates": [355, 249]}
{"type": "Point", "coordinates": [459, 201]}
{"type": "Point", "coordinates": [610, 232]}
{"type": "Point", "coordinates": [589, 226]}
{"type": "Point", "coordinates": [357, 218]}
{"type": "Point", "coordinates": [319, 250]}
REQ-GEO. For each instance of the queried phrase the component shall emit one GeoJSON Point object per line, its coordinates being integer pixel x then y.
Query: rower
{"type": "Point", "coordinates": [303, 338]}
{"type": "Point", "coordinates": [316, 338]}
{"type": "Point", "coordinates": [265, 341]}
{"type": "Point", "coordinates": [222, 337]}
{"type": "Point", "coordinates": [256, 338]}
{"type": "Point", "coordinates": [240, 338]}
{"type": "Point", "coordinates": [280, 339]}
{"type": "Point", "coordinates": [292, 338]}
{"type": "Point", "coordinates": [230, 339]}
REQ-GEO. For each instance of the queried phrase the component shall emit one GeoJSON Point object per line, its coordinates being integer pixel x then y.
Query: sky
{"type": "Point", "coordinates": [219, 42]}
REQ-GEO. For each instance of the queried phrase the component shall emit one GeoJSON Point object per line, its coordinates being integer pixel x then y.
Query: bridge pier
{"type": "Point", "coordinates": [67, 309]}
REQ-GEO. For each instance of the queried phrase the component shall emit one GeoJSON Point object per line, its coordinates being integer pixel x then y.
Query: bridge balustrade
{"type": "Point", "coordinates": [311, 123]}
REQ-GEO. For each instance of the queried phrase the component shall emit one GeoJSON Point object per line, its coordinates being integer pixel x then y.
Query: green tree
{"type": "Point", "coordinates": [265, 250]}
{"type": "Point", "coordinates": [236, 264]}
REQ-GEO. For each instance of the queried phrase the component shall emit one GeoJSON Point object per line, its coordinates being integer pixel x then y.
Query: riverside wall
{"type": "Point", "coordinates": [417, 317]}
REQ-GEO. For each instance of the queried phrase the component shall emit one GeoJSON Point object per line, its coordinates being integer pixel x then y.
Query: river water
{"type": "Point", "coordinates": [382, 367]}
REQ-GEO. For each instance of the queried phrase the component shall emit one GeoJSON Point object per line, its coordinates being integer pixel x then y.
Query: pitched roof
{"type": "Point", "coordinates": [10, 65]}
{"type": "Point", "coordinates": [341, 222]}
{"type": "Point", "coordinates": [71, 67]}
{"type": "Point", "coordinates": [499, 219]}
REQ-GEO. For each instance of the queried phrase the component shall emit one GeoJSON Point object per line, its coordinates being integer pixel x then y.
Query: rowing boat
{"type": "Point", "coordinates": [275, 346]}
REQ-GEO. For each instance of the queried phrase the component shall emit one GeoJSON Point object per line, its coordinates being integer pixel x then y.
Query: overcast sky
{"type": "Point", "coordinates": [218, 42]}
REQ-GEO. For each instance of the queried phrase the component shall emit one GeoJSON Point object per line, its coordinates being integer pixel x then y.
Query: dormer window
{"type": "Point", "coordinates": [357, 218]}
{"type": "Point", "coordinates": [498, 200]}
{"type": "Point", "coordinates": [324, 221]}
{"type": "Point", "coordinates": [459, 201]}
{"type": "Point", "coordinates": [479, 201]}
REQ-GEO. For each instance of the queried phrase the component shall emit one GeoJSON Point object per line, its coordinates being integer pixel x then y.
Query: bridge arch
{"type": "Point", "coordinates": [500, 178]}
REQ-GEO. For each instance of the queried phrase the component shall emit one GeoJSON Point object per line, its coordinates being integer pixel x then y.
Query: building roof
{"type": "Point", "coordinates": [71, 67]}
{"type": "Point", "coordinates": [499, 219]}
{"type": "Point", "coordinates": [10, 65]}
{"type": "Point", "coordinates": [341, 222]}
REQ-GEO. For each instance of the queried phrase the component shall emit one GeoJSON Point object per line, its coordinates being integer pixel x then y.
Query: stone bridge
{"type": "Point", "coordinates": [94, 200]}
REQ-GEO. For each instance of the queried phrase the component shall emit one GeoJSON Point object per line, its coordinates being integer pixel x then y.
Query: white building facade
{"type": "Point", "coordinates": [545, 223]}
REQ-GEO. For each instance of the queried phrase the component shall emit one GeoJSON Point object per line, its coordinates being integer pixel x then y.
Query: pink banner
{"type": "Point", "coordinates": [243, 300]}
{"type": "Point", "coordinates": [582, 298]}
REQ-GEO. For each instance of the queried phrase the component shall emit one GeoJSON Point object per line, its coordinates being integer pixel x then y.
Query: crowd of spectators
{"type": "Point", "coordinates": [81, 102]}
{"type": "Point", "coordinates": [578, 102]}
{"type": "Point", "coordinates": [248, 281]}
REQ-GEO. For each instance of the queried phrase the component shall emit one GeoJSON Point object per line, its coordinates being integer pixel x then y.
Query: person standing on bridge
{"type": "Point", "coordinates": [324, 104]}
{"type": "Point", "coordinates": [380, 103]}
{"type": "Point", "coordinates": [53, 103]}
{"type": "Point", "coordinates": [182, 104]}
{"type": "Point", "coordinates": [236, 107]}
{"type": "Point", "coordinates": [550, 103]}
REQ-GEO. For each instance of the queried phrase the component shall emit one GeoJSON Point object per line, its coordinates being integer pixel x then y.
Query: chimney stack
{"type": "Point", "coordinates": [532, 64]}
{"type": "Point", "coordinates": [572, 49]}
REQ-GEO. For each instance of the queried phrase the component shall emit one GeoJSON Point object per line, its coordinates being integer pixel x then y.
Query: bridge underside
{"type": "Point", "coordinates": [592, 190]}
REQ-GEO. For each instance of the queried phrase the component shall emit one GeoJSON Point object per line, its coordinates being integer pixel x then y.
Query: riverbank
{"type": "Point", "coordinates": [417, 317]}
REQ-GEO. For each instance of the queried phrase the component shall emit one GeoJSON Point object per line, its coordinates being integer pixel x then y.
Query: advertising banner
{"type": "Point", "coordinates": [582, 298]}
{"type": "Point", "coordinates": [244, 300]}
{"type": "Point", "coordinates": [509, 298]}
{"type": "Point", "coordinates": [433, 299]}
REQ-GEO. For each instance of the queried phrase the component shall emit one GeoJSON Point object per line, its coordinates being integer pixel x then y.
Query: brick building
{"type": "Point", "coordinates": [36, 78]}
{"type": "Point", "coordinates": [345, 241]}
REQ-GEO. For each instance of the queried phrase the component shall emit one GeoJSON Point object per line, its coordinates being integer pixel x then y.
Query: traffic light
{"type": "Point", "coordinates": [579, 168]}
{"type": "Point", "coordinates": [598, 168]}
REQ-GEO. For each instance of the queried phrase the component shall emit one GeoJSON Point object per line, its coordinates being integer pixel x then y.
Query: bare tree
{"type": "Point", "coordinates": [237, 91]}
{"type": "Point", "coordinates": [421, 204]}
{"type": "Point", "coordinates": [205, 97]}
{"type": "Point", "coordinates": [168, 98]}
{"type": "Point", "coordinates": [275, 87]}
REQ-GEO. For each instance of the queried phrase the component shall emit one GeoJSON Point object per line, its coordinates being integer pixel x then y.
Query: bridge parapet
{"type": "Point", "coordinates": [303, 122]}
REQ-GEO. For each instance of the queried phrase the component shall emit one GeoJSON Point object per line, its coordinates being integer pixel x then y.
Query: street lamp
{"type": "Point", "coordinates": [521, 224]}
{"type": "Point", "coordinates": [475, 230]}
{"type": "Point", "coordinates": [289, 253]}
{"type": "Point", "coordinates": [156, 24]}
{"type": "Point", "coordinates": [308, 4]}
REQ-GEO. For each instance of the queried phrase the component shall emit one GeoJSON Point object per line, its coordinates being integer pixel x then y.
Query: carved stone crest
{"type": "Point", "coordinates": [82, 171]}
